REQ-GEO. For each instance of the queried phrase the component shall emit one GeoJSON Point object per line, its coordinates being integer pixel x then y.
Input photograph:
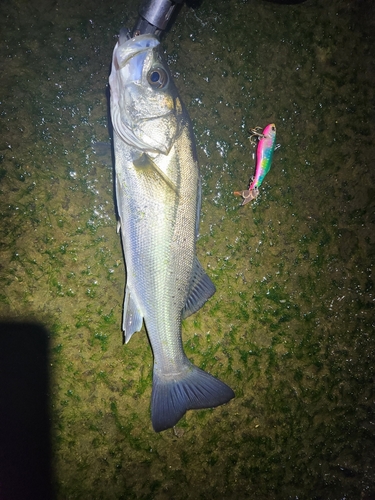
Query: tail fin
{"type": "Point", "coordinates": [191, 389]}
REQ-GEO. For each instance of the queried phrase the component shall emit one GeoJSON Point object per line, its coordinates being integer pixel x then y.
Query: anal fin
{"type": "Point", "coordinates": [201, 289]}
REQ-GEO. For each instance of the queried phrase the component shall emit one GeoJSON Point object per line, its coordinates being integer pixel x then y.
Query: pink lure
{"type": "Point", "coordinates": [266, 147]}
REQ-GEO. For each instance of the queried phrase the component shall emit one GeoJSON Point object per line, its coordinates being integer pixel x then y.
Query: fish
{"type": "Point", "coordinates": [265, 149]}
{"type": "Point", "coordinates": [158, 194]}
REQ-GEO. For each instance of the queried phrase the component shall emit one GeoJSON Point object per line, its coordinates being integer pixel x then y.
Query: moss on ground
{"type": "Point", "coordinates": [290, 327]}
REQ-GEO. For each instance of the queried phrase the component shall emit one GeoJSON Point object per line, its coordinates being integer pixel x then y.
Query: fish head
{"type": "Point", "coordinates": [146, 110]}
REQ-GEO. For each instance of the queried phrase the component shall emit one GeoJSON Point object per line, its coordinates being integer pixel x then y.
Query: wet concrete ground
{"type": "Point", "coordinates": [291, 327]}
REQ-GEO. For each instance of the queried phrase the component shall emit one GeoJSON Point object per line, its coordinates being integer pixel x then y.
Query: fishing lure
{"type": "Point", "coordinates": [266, 147]}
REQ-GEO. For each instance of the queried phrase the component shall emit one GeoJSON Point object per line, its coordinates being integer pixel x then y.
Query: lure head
{"type": "Point", "coordinates": [266, 146]}
{"type": "Point", "coordinates": [270, 131]}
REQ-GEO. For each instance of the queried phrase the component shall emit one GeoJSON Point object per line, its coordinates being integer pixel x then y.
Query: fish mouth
{"type": "Point", "coordinates": [130, 47]}
{"type": "Point", "coordinates": [124, 36]}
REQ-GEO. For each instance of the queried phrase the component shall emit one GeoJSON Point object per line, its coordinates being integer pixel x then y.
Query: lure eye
{"type": "Point", "coordinates": [157, 78]}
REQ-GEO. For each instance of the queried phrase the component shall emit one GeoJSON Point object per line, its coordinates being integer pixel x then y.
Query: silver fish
{"type": "Point", "coordinates": [158, 201]}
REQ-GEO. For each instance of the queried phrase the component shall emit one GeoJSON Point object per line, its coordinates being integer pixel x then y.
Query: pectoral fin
{"type": "Point", "coordinates": [201, 289]}
{"type": "Point", "coordinates": [146, 163]}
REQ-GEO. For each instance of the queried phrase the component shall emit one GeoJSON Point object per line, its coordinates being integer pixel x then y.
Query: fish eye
{"type": "Point", "coordinates": [157, 78]}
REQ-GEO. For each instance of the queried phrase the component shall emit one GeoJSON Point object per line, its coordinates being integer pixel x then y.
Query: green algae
{"type": "Point", "coordinates": [290, 327]}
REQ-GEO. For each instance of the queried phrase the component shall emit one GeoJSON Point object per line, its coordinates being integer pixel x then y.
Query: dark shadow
{"type": "Point", "coordinates": [25, 446]}
{"type": "Point", "coordinates": [194, 4]}
{"type": "Point", "coordinates": [286, 2]}
{"type": "Point", "coordinates": [112, 146]}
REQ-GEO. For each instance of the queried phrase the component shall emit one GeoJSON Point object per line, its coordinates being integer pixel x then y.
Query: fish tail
{"type": "Point", "coordinates": [192, 388]}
